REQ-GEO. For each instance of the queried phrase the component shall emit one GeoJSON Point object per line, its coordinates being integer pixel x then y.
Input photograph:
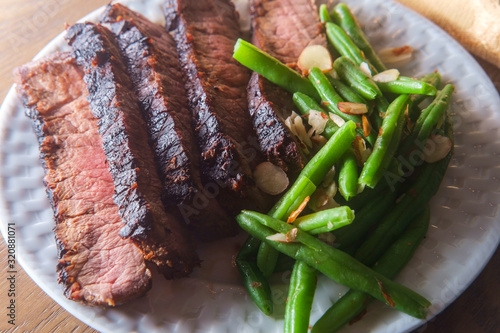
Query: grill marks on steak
{"type": "Point", "coordinates": [282, 28]}
{"type": "Point", "coordinates": [205, 32]}
{"type": "Point", "coordinates": [153, 64]}
{"type": "Point", "coordinates": [95, 265]}
{"type": "Point", "coordinates": [131, 163]}
{"type": "Point", "coordinates": [269, 105]}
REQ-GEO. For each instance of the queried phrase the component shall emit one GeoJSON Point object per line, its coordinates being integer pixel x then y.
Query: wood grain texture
{"type": "Point", "coordinates": [26, 26]}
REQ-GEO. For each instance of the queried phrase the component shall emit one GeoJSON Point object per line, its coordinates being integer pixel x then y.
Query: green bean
{"type": "Point", "coordinates": [433, 79]}
{"type": "Point", "coordinates": [305, 104]}
{"type": "Point", "coordinates": [315, 170]}
{"type": "Point", "coordinates": [331, 98]}
{"type": "Point", "coordinates": [300, 298]}
{"type": "Point", "coordinates": [325, 158]}
{"type": "Point", "coordinates": [428, 119]}
{"type": "Point", "coordinates": [411, 203]}
{"type": "Point", "coordinates": [407, 86]}
{"type": "Point", "coordinates": [300, 189]}
{"type": "Point", "coordinates": [343, 16]}
{"type": "Point", "coordinates": [365, 218]}
{"type": "Point", "coordinates": [377, 163]}
{"type": "Point", "coordinates": [266, 259]}
{"type": "Point", "coordinates": [381, 106]}
{"type": "Point", "coordinates": [254, 281]}
{"type": "Point", "coordinates": [289, 202]}
{"type": "Point", "coordinates": [343, 43]}
{"type": "Point", "coordinates": [272, 69]}
{"type": "Point", "coordinates": [325, 220]}
{"type": "Point", "coordinates": [394, 259]}
{"type": "Point", "coordinates": [346, 93]}
{"type": "Point", "coordinates": [436, 113]}
{"type": "Point", "coordinates": [335, 264]}
{"type": "Point", "coordinates": [348, 175]}
{"type": "Point", "coordinates": [351, 74]}
{"type": "Point", "coordinates": [324, 14]}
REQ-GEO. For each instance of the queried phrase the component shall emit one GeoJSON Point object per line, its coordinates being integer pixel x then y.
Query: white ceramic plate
{"type": "Point", "coordinates": [463, 236]}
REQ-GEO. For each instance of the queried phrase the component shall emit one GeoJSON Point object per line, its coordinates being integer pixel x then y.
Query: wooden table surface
{"type": "Point", "coordinates": [25, 27]}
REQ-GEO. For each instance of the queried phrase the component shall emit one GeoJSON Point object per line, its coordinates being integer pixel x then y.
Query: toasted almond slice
{"type": "Point", "coordinates": [299, 210]}
{"type": "Point", "coordinates": [387, 76]}
{"type": "Point", "coordinates": [319, 140]}
{"type": "Point", "coordinates": [331, 189]}
{"type": "Point", "coordinates": [360, 151]}
{"type": "Point", "coordinates": [365, 68]}
{"type": "Point", "coordinates": [301, 132]}
{"type": "Point", "coordinates": [315, 56]}
{"type": "Point", "coordinates": [352, 108]}
{"type": "Point", "coordinates": [270, 178]}
{"type": "Point", "coordinates": [279, 237]}
{"type": "Point", "coordinates": [398, 55]}
{"type": "Point", "coordinates": [291, 235]}
{"type": "Point", "coordinates": [367, 128]}
{"type": "Point", "coordinates": [336, 119]}
{"type": "Point", "coordinates": [436, 148]}
{"type": "Point", "coordinates": [317, 122]}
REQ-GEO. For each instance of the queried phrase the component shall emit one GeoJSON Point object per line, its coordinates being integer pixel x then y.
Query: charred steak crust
{"type": "Point", "coordinates": [269, 105]}
{"type": "Point", "coordinates": [95, 265]}
{"type": "Point", "coordinates": [157, 233]}
{"type": "Point", "coordinates": [153, 64]}
{"type": "Point", "coordinates": [282, 28]}
{"type": "Point", "coordinates": [205, 33]}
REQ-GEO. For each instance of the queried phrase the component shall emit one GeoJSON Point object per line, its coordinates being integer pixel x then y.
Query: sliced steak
{"type": "Point", "coordinates": [269, 106]}
{"type": "Point", "coordinates": [153, 64]}
{"type": "Point", "coordinates": [282, 28]}
{"type": "Point", "coordinates": [95, 265]}
{"type": "Point", "coordinates": [205, 32]}
{"type": "Point", "coordinates": [157, 233]}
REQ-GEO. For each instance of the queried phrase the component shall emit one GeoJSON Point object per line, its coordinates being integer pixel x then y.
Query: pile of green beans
{"type": "Point", "coordinates": [383, 213]}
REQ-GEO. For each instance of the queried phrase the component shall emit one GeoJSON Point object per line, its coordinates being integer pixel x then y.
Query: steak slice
{"type": "Point", "coordinates": [282, 28]}
{"type": "Point", "coordinates": [158, 234]}
{"type": "Point", "coordinates": [153, 64]}
{"type": "Point", "coordinates": [205, 32]}
{"type": "Point", "coordinates": [269, 106]}
{"type": "Point", "coordinates": [95, 265]}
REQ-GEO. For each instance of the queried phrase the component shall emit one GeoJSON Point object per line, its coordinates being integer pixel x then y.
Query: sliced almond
{"type": "Point", "coordinates": [299, 210]}
{"type": "Point", "coordinates": [365, 68]}
{"type": "Point", "coordinates": [367, 128]}
{"type": "Point", "coordinates": [436, 148]}
{"type": "Point", "coordinates": [319, 140]}
{"type": "Point", "coordinates": [291, 235]}
{"type": "Point", "coordinates": [395, 55]}
{"type": "Point", "coordinates": [331, 189]}
{"type": "Point", "coordinates": [301, 132]}
{"type": "Point", "coordinates": [279, 237]}
{"type": "Point", "coordinates": [315, 56]}
{"type": "Point", "coordinates": [360, 151]}
{"type": "Point", "coordinates": [336, 119]}
{"type": "Point", "coordinates": [317, 121]}
{"type": "Point", "coordinates": [387, 76]}
{"type": "Point", "coordinates": [352, 108]}
{"type": "Point", "coordinates": [270, 178]}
